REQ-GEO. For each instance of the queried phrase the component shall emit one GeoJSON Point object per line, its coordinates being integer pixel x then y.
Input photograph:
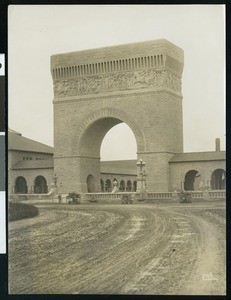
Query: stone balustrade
{"type": "Point", "coordinates": [116, 197]}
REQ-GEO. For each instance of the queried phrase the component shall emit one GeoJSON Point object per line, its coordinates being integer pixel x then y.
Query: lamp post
{"type": "Point", "coordinates": [55, 179]}
{"type": "Point", "coordinates": [141, 164]}
{"type": "Point", "coordinates": [54, 187]}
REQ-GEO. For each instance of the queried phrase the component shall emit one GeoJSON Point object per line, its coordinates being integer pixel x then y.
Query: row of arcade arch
{"type": "Point", "coordinates": [193, 180]}
{"type": "Point", "coordinates": [39, 187]}
{"type": "Point", "coordinates": [107, 185]}
{"type": "Point", "coordinates": [123, 186]}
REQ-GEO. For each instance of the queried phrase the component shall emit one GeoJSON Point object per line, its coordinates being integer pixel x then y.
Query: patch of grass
{"type": "Point", "coordinates": [18, 211]}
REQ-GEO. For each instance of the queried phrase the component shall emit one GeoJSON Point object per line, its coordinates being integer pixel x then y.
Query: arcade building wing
{"type": "Point", "coordinates": [31, 169]}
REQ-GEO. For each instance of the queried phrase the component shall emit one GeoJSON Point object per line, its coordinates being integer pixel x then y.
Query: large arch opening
{"type": "Point", "coordinates": [97, 124]}
{"type": "Point", "coordinates": [218, 179]}
{"type": "Point", "coordinates": [118, 154]}
{"type": "Point", "coordinates": [119, 143]}
{"type": "Point", "coordinates": [20, 185]}
{"type": "Point", "coordinates": [40, 185]}
{"type": "Point", "coordinates": [191, 180]}
{"type": "Point", "coordinates": [110, 139]}
{"type": "Point", "coordinates": [107, 139]}
{"type": "Point", "coordinates": [87, 142]}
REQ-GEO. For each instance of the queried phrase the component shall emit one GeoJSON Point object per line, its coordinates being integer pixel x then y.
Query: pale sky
{"type": "Point", "coordinates": [39, 31]}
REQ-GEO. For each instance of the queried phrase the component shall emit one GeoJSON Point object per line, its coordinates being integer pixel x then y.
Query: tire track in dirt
{"type": "Point", "coordinates": [67, 260]}
{"type": "Point", "coordinates": [120, 257]}
{"type": "Point", "coordinates": [35, 267]}
{"type": "Point", "coordinates": [159, 275]}
{"type": "Point", "coordinates": [208, 276]}
{"type": "Point", "coordinates": [113, 250]}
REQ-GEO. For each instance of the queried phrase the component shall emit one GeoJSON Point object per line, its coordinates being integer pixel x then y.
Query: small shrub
{"type": "Point", "coordinates": [18, 211]}
{"type": "Point", "coordinates": [185, 197]}
{"type": "Point", "coordinates": [73, 198]}
{"type": "Point", "coordinates": [126, 199]}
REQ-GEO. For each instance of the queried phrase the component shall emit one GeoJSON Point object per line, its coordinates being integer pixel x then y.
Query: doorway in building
{"type": "Point", "coordinates": [20, 185]}
{"type": "Point", "coordinates": [218, 180]}
{"type": "Point", "coordinates": [40, 185]}
{"type": "Point", "coordinates": [90, 184]}
{"type": "Point", "coordinates": [129, 186]}
{"type": "Point", "coordinates": [190, 180]}
{"type": "Point", "coordinates": [102, 185]}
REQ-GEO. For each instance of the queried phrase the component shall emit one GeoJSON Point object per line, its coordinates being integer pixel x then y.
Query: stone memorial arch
{"type": "Point", "coordinates": [139, 84]}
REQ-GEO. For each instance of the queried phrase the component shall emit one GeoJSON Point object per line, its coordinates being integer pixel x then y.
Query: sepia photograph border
{"type": "Point", "coordinates": [4, 258]}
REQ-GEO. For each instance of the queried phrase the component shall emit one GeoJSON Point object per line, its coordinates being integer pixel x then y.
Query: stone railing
{"type": "Point", "coordinates": [94, 197]}
{"type": "Point", "coordinates": [208, 194]}
{"type": "Point", "coordinates": [155, 196]}
{"type": "Point", "coordinates": [219, 194]}
{"type": "Point", "coordinates": [160, 196]}
{"type": "Point", "coordinates": [116, 197]}
{"type": "Point", "coordinates": [21, 197]}
{"type": "Point", "coordinates": [197, 194]}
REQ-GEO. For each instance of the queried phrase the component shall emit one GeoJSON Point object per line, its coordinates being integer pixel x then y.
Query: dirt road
{"type": "Point", "coordinates": [119, 249]}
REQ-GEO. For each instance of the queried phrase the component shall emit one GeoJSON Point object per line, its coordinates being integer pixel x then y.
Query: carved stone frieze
{"type": "Point", "coordinates": [117, 81]}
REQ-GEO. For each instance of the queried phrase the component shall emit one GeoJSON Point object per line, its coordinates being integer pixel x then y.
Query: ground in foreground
{"type": "Point", "coordinates": [119, 249]}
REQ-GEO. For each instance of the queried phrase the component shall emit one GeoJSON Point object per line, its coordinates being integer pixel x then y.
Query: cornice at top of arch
{"type": "Point", "coordinates": [117, 52]}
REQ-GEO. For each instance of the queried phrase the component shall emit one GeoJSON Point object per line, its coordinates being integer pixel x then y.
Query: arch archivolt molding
{"type": "Point", "coordinates": [108, 112]}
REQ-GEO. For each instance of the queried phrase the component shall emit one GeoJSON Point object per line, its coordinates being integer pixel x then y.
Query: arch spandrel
{"type": "Point", "coordinates": [108, 112]}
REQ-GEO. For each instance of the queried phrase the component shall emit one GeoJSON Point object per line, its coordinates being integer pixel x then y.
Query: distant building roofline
{"type": "Point", "coordinates": [17, 142]}
{"type": "Point", "coordinates": [198, 156]}
{"type": "Point", "coordinates": [15, 132]}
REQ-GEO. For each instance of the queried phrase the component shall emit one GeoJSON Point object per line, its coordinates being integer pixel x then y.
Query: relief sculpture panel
{"type": "Point", "coordinates": [117, 81]}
